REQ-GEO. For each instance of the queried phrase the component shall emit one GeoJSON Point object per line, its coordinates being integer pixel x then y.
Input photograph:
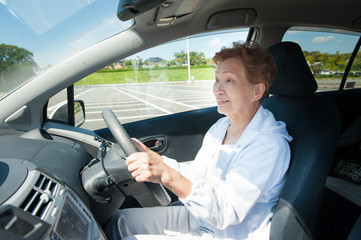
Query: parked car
{"type": "Point", "coordinates": [74, 87]}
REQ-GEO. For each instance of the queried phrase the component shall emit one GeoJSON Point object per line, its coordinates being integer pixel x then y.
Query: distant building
{"type": "Point", "coordinates": [154, 61]}
{"type": "Point", "coordinates": [116, 65]}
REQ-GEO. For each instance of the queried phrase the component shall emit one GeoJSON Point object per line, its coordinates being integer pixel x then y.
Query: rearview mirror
{"type": "Point", "coordinates": [128, 9]}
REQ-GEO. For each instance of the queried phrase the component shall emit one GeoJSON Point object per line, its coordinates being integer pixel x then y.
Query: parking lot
{"type": "Point", "coordinates": [132, 102]}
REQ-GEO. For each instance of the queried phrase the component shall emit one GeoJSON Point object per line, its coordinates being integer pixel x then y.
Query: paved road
{"type": "Point", "coordinates": [132, 102]}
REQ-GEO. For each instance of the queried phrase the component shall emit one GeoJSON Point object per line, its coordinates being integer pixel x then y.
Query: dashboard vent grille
{"type": "Point", "coordinates": [41, 197]}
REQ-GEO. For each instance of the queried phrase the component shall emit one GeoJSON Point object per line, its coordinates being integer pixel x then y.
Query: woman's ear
{"type": "Point", "coordinates": [259, 90]}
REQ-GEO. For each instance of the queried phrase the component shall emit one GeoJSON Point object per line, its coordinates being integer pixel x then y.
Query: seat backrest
{"type": "Point", "coordinates": [355, 233]}
{"type": "Point", "coordinates": [313, 122]}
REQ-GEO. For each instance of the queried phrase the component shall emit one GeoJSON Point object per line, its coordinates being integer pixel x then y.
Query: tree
{"type": "Point", "coordinates": [16, 66]}
{"type": "Point", "coordinates": [356, 66]}
{"type": "Point", "coordinates": [332, 62]}
{"type": "Point", "coordinates": [180, 57]}
{"type": "Point", "coordinates": [137, 62]}
{"type": "Point", "coordinates": [172, 63]}
{"type": "Point", "coordinates": [195, 58]}
{"type": "Point", "coordinates": [128, 64]}
{"type": "Point", "coordinates": [310, 59]}
{"type": "Point", "coordinates": [145, 64]}
{"type": "Point", "coordinates": [336, 62]}
{"type": "Point", "coordinates": [324, 57]}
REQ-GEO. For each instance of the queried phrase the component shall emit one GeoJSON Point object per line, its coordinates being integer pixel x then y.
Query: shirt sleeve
{"type": "Point", "coordinates": [189, 170]}
{"type": "Point", "coordinates": [193, 169]}
{"type": "Point", "coordinates": [253, 175]}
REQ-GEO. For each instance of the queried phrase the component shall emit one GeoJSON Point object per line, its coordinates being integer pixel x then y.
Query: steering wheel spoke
{"type": "Point", "coordinates": [127, 145]}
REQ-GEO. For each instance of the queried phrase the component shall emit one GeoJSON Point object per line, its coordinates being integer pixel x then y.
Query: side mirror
{"type": "Point", "coordinates": [61, 114]}
{"type": "Point", "coordinates": [79, 113]}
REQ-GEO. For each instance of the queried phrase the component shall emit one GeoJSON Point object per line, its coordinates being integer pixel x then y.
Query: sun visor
{"type": "Point", "coordinates": [232, 18]}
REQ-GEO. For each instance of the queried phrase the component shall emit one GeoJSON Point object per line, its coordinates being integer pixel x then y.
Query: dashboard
{"type": "Point", "coordinates": [49, 184]}
{"type": "Point", "coordinates": [41, 193]}
{"type": "Point", "coordinates": [40, 207]}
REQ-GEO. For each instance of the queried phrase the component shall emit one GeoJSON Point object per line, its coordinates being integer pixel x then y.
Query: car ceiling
{"type": "Point", "coordinates": [339, 14]}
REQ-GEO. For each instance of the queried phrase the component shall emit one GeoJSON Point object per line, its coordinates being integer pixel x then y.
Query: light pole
{"type": "Point", "coordinates": [188, 62]}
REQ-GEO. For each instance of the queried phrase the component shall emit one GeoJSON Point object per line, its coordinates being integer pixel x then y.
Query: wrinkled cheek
{"type": "Point", "coordinates": [215, 87]}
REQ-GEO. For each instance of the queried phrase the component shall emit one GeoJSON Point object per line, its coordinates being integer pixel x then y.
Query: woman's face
{"type": "Point", "coordinates": [235, 95]}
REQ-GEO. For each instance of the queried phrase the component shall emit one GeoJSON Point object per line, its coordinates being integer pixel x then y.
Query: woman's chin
{"type": "Point", "coordinates": [221, 110]}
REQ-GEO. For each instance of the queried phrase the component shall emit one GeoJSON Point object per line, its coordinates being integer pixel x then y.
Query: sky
{"type": "Point", "coordinates": [324, 42]}
{"type": "Point", "coordinates": [207, 44]}
{"type": "Point", "coordinates": [329, 42]}
{"type": "Point", "coordinates": [55, 30]}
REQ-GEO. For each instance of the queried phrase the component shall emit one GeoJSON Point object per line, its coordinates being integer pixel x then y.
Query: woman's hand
{"type": "Point", "coordinates": [148, 166]}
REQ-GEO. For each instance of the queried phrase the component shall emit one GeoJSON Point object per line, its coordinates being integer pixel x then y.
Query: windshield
{"type": "Point", "coordinates": [37, 34]}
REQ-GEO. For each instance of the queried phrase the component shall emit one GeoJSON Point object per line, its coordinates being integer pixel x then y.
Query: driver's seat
{"type": "Point", "coordinates": [313, 122]}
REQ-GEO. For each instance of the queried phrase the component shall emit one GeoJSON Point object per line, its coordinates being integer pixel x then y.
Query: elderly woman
{"type": "Point", "coordinates": [230, 190]}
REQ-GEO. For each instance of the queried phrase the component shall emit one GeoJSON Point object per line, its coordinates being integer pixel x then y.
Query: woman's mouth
{"type": "Point", "coordinates": [221, 101]}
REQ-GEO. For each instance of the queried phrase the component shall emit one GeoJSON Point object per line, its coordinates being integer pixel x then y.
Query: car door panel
{"type": "Point", "coordinates": [177, 136]}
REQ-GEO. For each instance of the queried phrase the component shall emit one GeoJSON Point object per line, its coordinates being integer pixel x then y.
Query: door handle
{"type": "Point", "coordinates": [156, 144]}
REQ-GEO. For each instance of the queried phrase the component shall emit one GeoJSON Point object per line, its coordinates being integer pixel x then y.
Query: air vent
{"type": "Point", "coordinates": [41, 197]}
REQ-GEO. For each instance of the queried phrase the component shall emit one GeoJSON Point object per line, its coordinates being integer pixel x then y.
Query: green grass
{"type": "Point", "coordinates": [147, 75]}
{"type": "Point", "coordinates": [157, 75]}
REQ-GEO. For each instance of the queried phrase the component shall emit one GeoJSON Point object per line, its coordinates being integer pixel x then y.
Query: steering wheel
{"type": "Point", "coordinates": [123, 139]}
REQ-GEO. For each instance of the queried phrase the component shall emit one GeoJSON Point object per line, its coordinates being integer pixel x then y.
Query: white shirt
{"type": "Point", "coordinates": [236, 187]}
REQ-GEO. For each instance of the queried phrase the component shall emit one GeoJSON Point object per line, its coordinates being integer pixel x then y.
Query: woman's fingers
{"type": "Point", "coordinates": [142, 176]}
{"type": "Point", "coordinates": [140, 145]}
{"type": "Point", "coordinates": [131, 158]}
{"type": "Point", "coordinates": [135, 160]}
{"type": "Point", "coordinates": [145, 166]}
{"type": "Point", "coordinates": [139, 165]}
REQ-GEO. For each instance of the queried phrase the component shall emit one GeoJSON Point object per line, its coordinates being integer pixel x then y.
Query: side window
{"type": "Point", "coordinates": [327, 54]}
{"type": "Point", "coordinates": [171, 78]}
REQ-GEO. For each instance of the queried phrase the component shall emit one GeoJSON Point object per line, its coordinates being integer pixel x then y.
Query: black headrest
{"type": "Point", "coordinates": [294, 77]}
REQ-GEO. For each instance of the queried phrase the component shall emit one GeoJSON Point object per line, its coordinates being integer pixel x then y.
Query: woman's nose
{"type": "Point", "coordinates": [218, 87]}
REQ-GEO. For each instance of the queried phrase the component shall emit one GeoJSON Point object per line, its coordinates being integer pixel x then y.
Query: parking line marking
{"type": "Point", "coordinates": [148, 103]}
{"type": "Point", "coordinates": [123, 110]}
{"type": "Point", "coordinates": [164, 99]}
{"type": "Point", "coordinates": [130, 117]}
{"type": "Point", "coordinates": [127, 103]}
{"type": "Point", "coordinates": [55, 107]}
{"type": "Point", "coordinates": [107, 100]}
{"type": "Point", "coordinates": [115, 106]}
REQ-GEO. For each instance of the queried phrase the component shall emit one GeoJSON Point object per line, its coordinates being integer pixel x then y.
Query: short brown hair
{"type": "Point", "coordinates": [257, 61]}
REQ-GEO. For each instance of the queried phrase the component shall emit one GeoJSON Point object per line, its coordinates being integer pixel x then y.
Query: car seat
{"type": "Point", "coordinates": [313, 122]}
{"type": "Point", "coordinates": [355, 233]}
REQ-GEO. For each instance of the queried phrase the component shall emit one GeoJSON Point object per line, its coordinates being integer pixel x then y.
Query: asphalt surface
{"type": "Point", "coordinates": [132, 102]}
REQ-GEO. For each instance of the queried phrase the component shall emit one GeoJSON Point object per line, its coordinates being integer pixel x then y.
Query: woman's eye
{"type": "Point", "coordinates": [229, 80]}
{"type": "Point", "coordinates": [217, 80]}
